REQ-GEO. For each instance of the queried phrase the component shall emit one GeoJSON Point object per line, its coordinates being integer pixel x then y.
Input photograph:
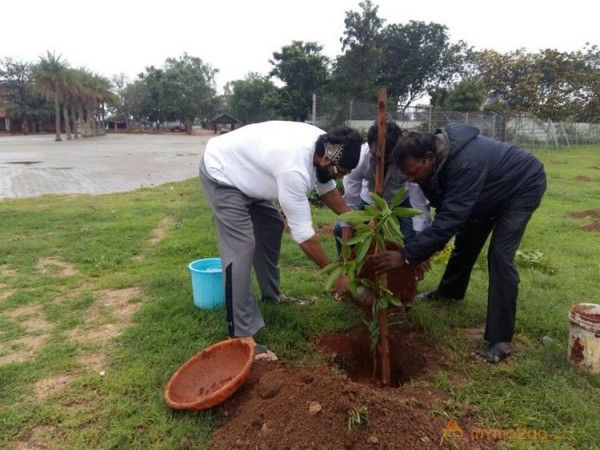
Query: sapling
{"type": "Point", "coordinates": [376, 227]}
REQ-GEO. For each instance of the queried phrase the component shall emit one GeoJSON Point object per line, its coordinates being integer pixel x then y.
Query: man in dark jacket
{"type": "Point", "coordinates": [478, 186]}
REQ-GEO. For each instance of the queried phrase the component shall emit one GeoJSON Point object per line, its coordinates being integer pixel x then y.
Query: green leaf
{"type": "Point", "coordinates": [379, 202]}
{"type": "Point", "coordinates": [374, 212]}
{"type": "Point", "coordinates": [328, 268]}
{"type": "Point", "coordinates": [356, 216]}
{"type": "Point", "coordinates": [363, 248]}
{"type": "Point", "coordinates": [379, 242]}
{"type": "Point", "coordinates": [398, 197]}
{"type": "Point", "coordinates": [401, 211]}
{"type": "Point", "coordinates": [394, 300]}
{"type": "Point", "coordinates": [359, 237]}
{"type": "Point", "coordinates": [335, 274]}
{"type": "Point", "coordinates": [391, 231]}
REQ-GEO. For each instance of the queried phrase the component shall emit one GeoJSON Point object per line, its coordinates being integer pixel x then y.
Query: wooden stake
{"type": "Point", "coordinates": [384, 336]}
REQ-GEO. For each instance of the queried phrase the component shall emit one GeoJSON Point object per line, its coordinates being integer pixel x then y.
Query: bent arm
{"type": "Point", "coordinates": [313, 249]}
{"type": "Point", "coordinates": [334, 201]}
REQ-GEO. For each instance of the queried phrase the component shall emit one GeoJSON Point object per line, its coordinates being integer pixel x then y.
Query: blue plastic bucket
{"type": "Point", "coordinates": [207, 283]}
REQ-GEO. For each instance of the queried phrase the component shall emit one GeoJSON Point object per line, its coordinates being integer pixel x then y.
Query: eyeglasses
{"type": "Point", "coordinates": [340, 171]}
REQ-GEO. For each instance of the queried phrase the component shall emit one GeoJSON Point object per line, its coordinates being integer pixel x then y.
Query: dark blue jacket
{"type": "Point", "coordinates": [475, 178]}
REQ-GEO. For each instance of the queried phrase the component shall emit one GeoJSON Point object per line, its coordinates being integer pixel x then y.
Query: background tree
{"type": "Point", "coordinates": [122, 110]}
{"type": "Point", "coordinates": [249, 101]}
{"type": "Point", "coordinates": [418, 58]}
{"type": "Point", "coordinates": [184, 89]}
{"type": "Point", "coordinates": [152, 101]}
{"type": "Point", "coordinates": [104, 97]}
{"type": "Point", "coordinates": [356, 72]}
{"type": "Point", "coordinates": [188, 90]}
{"type": "Point", "coordinates": [133, 98]}
{"type": "Point", "coordinates": [549, 84]}
{"type": "Point", "coordinates": [467, 95]}
{"type": "Point", "coordinates": [22, 104]}
{"type": "Point", "coordinates": [590, 91]}
{"type": "Point", "coordinates": [304, 70]}
{"type": "Point", "coordinates": [49, 77]}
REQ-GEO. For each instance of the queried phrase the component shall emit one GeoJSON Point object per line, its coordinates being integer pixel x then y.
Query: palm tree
{"type": "Point", "coordinates": [100, 94]}
{"type": "Point", "coordinates": [50, 80]}
{"type": "Point", "coordinates": [82, 76]}
{"type": "Point", "coordinates": [104, 96]}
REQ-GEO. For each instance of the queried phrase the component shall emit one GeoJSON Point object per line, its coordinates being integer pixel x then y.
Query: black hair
{"type": "Point", "coordinates": [414, 144]}
{"type": "Point", "coordinates": [392, 133]}
{"type": "Point", "coordinates": [349, 138]}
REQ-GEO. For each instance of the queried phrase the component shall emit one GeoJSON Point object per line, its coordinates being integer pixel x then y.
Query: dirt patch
{"type": "Point", "coordinates": [5, 292]}
{"type": "Point", "coordinates": [555, 161]}
{"type": "Point", "coordinates": [107, 317]}
{"type": "Point", "coordinates": [583, 178]}
{"type": "Point", "coordinates": [35, 334]}
{"type": "Point", "coordinates": [45, 387]}
{"type": "Point", "coordinates": [94, 362]}
{"type": "Point", "coordinates": [6, 272]}
{"type": "Point", "coordinates": [37, 438]}
{"type": "Point", "coordinates": [31, 318]}
{"type": "Point", "coordinates": [22, 349]}
{"type": "Point", "coordinates": [288, 407]}
{"type": "Point", "coordinates": [162, 230]}
{"type": "Point", "coordinates": [595, 167]}
{"type": "Point", "coordinates": [592, 227]}
{"type": "Point", "coordinates": [56, 267]}
{"type": "Point", "coordinates": [594, 214]}
{"type": "Point", "coordinates": [120, 301]}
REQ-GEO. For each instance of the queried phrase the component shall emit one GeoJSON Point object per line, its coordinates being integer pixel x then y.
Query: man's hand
{"type": "Point", "coordinates": [340, 289]}
{"type": "Point", "coordinates": [388, 260]}
{"type": "Point", "coordinates": [420, 270]}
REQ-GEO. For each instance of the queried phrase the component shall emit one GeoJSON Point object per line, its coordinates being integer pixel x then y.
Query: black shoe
{"type": "Point", "coordinates": [435, 295]}
{"type": "Point", "coordinates": [494, 353]}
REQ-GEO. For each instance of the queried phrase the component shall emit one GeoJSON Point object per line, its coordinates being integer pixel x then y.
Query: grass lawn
{"type": "Point", "coordinates": [96, 314]}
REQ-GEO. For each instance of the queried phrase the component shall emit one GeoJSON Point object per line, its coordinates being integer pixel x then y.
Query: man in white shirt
{"type": "Point", "coordinates": [243, 173]}
{"type": "Point", "coordinates": [361, 181]}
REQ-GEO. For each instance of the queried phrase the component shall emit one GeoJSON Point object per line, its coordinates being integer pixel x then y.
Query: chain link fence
{"type": "Point", "coordinates": [522, 129]}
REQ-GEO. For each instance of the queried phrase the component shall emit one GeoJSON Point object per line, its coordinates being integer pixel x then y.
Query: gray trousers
{"type": "Point", "coordinates": [249, 232]}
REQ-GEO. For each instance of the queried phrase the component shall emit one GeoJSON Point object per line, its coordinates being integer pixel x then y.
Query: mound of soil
{"type": "Point", "coordinates": [594, 214]}
{"type": "Point", "coordinates": [282, 406]}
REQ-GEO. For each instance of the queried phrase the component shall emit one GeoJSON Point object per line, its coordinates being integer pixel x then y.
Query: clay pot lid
{"type": "Point", "coordinates": [211, 376]}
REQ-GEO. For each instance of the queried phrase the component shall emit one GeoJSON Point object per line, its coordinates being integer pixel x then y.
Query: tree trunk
{"type": "Point", "coordinates": [89, 117]}
{"type": "Point", "coordinates": [66, 119]}
{"type": "Point", "coordinates": [189, 125]}
{"type": "Point", "coordinates": [74, 120]}
{"type": "Point", "coordinates": [102, 129]}
{"type": "Point", "coordinates": [384, 348]}
{"type": "Point", "coordinates": [80, 124]}
{"type": "Point", "coordinates": [57, 117]}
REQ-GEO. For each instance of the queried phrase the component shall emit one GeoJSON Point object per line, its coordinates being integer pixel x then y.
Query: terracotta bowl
{"type": "Point", "coordinates": [211, 376]}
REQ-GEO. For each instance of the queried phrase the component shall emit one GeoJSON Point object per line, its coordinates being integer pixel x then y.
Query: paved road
{"type": "Point", "coordinates": [37, 165]}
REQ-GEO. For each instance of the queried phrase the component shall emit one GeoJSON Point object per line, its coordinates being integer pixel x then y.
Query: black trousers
{"type": "Point", "coordinates": [507, 228]}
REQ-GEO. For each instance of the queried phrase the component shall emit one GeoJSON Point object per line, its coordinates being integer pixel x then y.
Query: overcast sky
{"type": "Point", "coordinates": [240, 36]}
